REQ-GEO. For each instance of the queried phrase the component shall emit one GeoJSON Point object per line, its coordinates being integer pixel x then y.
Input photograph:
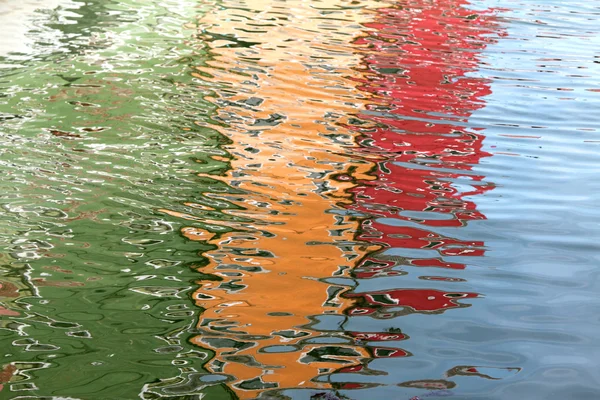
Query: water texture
{"type": "Point", "coordinates": [305, 200]}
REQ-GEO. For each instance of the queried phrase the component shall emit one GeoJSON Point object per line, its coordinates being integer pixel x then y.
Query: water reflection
{"type": "Point", "coordinates": [420, 58]}
{"type": "Point", "coordinates": [94, 281]}
{"type": "Point", "coordinates": [301, 185]}
{"type": "Point", "coordinates": [296, 201]}
{"type": "Point", "coordinates": [265, 299]}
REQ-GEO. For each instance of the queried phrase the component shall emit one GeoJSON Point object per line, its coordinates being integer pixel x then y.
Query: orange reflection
{"type": "Point", "coordinates": [283, 98]}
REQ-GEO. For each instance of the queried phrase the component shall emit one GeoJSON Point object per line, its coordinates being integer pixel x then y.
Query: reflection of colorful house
{"type": "Point", "coordinates": [288, 229]}
{"type": "Point", "coordinates": [369, 268]}
{"type": "Point", "coordinates": [418, 238]}
{"type": "Point", "coordinates": [419, 57]}
{"type": "Point", "coordinates": [411, 300]}
{"type": "Point", "coordinates": [297, 177]}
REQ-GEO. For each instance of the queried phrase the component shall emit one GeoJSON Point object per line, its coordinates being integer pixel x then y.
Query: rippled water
{"type": "Point", "coordinates": [299, 200]}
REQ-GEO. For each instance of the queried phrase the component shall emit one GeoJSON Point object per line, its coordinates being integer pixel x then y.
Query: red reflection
{"type": "Point", "coordinates": [378, 337]}
{"type": "Point", "coordinates": [421, 58]}
{"type": "Point", "coordinates": [388, 352]}
{"type": "Point", "coordinates": [414, 238]}
{"type": "Point", "coordinates": [420, 300]}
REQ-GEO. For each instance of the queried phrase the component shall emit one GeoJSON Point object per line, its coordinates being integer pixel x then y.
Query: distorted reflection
{"type": "Point", "coordinates": [302, 186]}
{"type": "Point", "coordinates": [290, 199]}
{"type": "Point", "coordinates": [94, 282]}
{"type": "Point", "coordinates": [419, 57]}
{"type": "Point", "coordinates": [268, 310]}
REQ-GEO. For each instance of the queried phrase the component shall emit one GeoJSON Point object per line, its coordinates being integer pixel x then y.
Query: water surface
{"type": "Point", "coordinates": [299, 200]}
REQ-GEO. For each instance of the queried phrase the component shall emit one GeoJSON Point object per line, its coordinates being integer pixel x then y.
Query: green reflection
{"type": "Point", "coordinates": [102, 128]}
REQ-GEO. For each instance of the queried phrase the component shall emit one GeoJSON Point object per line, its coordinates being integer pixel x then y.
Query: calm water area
{"type": "Point", "coordinates": [305, 200]}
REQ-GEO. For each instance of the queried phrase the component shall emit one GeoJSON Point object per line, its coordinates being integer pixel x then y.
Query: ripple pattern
{"type": "Point", "coordinates": [306, 200]}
